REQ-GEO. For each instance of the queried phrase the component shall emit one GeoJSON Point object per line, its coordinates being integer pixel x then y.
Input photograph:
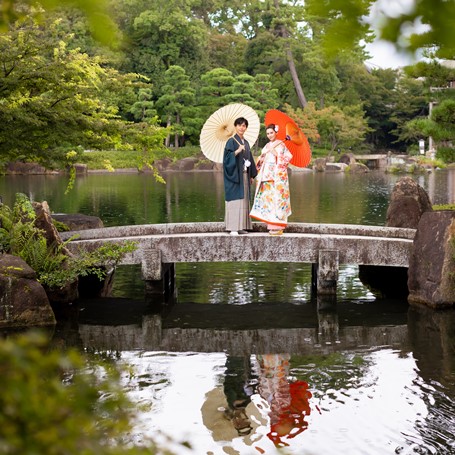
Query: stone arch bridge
{"type": "Point", "coordinates": [325, 246]}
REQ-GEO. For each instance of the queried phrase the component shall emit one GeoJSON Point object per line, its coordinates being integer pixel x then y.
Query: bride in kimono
{"type": "Point", "coordinates": [272, 203]}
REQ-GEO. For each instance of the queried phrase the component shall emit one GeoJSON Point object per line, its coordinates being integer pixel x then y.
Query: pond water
{"type": "Point", "coordinates": [242, 359]}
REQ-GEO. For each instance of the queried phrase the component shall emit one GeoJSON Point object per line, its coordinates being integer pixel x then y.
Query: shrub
{"type": "Point", "coordinates": [20, 237]}
{"type": "Point", "coordinates": [57, 403]}
{"type": "Point", "coordinates": [446, 154]}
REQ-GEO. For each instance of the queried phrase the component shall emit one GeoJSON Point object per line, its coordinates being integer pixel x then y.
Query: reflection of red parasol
{"type": "Point", "coordinates": [291, 420]}
{"type": "Point", "coordinates": [292, 136]}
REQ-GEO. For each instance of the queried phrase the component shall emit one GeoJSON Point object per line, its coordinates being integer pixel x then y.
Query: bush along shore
{"type": "Point", "coordinates": [121, 162]}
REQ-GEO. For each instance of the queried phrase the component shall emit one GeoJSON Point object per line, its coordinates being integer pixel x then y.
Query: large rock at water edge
{"type": "Point", "coordinates": [23, 301]}
{"type": "Point", "coordinates": [78, 222]}
{"type": "Point", "coordinates": [431, 273]}
{"type": "Point", "coordinates": [407, 204]}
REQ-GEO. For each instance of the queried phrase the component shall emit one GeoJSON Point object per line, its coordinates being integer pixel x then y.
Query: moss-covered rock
{"type": "Point", "coordinates": [23, 301]}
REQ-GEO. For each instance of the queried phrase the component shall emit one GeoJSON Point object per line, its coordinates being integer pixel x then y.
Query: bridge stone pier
{"type": "Point", "coordinates": [325, 246]}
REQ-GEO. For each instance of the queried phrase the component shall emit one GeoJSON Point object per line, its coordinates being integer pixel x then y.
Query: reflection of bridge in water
{"type": "Point", "coordinates": [120, 324]}
{"type": "Point", "coordinates": [312, 330]}
{"type": "Point", "coordinates": [326, 246]}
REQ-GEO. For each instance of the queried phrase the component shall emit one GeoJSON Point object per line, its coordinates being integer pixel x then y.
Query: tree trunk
{"type": "Point", "coordinates": [167, 142]}
{"type": "Point", "coordinates": [282, 31]}
{"type": "Point", "coordinates": [295, 77]}
{"type": "Point", "coordinates": [176, 136]}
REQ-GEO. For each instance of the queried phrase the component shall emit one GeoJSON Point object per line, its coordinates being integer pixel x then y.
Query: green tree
{"type": "Point", "coordinates": [265, 94]}
{"type": "Point", "coordinates": [37, 110]}
{"type": "Point", "coordinates": [435, 76]}
{"type": "Point", "coordinates": [177, 93]}
{"type": "Point", "coordinates": [162, 34]}
{"type": "Point", "coordinates": [227, 51]}
{"type": "Point", "coordinates": [388, 98]}
{"type": "Point", "coordinates": [285, 19]}
{"type": "Point", "coordinates": [411, 101]}
{"type": "Point", "coordinates": [243, 91]}
{"type": "Point", "coordinates": [441, 127]}
{"type": "Point", "coordinates": [55, 98]}
{"type": "Point", "coordinates": [50, 95]}
{"type": "Point", "coordinates": [443, 116]}
{"type": "Point", "coordinates": [376, 92]}
{"type": "Point", "coordinates": [270, 28]}
{"type": "Point", "coordinates": [435, 80]}
{"type": "Point", "coordinates": [321, 81]}
{"type": "Point", "coordinates": [74, 27]}
{"type": "Point", "coordinates": [215, 86]}
{"type": "Point", "coordinates": [332, 127]}
{"type": "Point", "coordinates": [144, 108]}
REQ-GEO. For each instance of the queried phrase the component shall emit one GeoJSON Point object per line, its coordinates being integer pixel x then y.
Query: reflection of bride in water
{"type": "Point", "coordinates": [257, 395]}
{"type": "Point", "coordinates": [287, 401]}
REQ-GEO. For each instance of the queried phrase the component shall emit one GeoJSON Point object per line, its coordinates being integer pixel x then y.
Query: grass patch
{"type": "Point", "coordinates": [126, 159]}
{"type": "Point", "coordinates": [423, 160]}
{"type": "Point", "coordinates": [444, 207]}
{"type": "Point", "coordinates": [117, 159]}
{"type": "Point", "coordinates": [320, 153]}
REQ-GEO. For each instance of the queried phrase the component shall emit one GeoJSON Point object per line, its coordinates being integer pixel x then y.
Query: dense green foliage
{"type": "Point", "coordinates": [341, 24]}
{"type": "Point", "coordinates": [174, 63]}
{"type": "Point", "coordinates": [54, 267]}
{"type": "Point", "coordinates": [57, 402]}
{"type": "Point", "coordinates": [345, 23]}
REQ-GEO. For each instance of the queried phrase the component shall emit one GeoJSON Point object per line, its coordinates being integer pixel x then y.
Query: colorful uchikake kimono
{"type": "Point", "coordinates": [272, 203]}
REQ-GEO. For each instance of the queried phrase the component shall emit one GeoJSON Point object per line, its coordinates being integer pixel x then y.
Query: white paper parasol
{"type": "Point", "coordinates": [219, 127]}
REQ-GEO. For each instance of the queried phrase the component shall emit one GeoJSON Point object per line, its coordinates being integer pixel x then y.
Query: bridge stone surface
{"type": "Point", "coordinates": [326, 245]}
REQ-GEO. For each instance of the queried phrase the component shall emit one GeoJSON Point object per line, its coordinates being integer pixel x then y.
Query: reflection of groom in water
{"type": "Point", "coordinates": [238, 391]}
{"type": "Point", "coordinates": [285, 401]}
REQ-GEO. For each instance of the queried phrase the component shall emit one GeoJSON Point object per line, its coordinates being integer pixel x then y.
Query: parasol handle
{"type": "Point", "coordinates": [233, 137]}
{"type": "Point", "coordinates": [238, 142]}
{"type": "Point", "coordinates": [281, 142]}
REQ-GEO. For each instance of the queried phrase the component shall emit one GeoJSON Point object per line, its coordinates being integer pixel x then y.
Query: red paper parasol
{"type": "Point", "coordinates": [292, 136]}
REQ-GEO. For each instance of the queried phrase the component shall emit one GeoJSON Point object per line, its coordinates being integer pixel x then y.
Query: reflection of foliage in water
{"type": "Point", "coordinates": [120, 199]}
{"type": "Point", "coordinates": [333, 374]}
{"type": "Point", "coordinates": [147, 372]}
{"type": "Point", "coordinates": [128, 282]}
{"type": "Point", "coordinates": [242, 283]}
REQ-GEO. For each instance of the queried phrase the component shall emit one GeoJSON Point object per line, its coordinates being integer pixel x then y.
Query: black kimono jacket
{"type": "Point", "coordinates": [233, 168]}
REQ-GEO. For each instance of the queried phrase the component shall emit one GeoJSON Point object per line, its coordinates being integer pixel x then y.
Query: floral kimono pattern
{"type": "Point", "coordinates": [272, 203]}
